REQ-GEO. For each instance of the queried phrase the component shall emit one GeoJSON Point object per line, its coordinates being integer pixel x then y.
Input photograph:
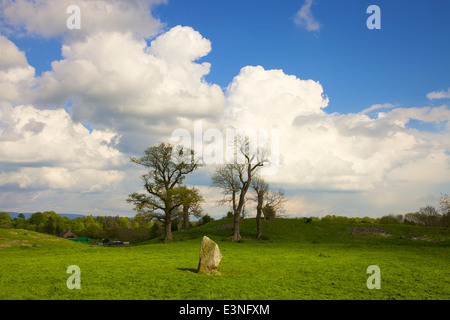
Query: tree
{"type": "Point", "coordinates": [36, 219]}
{"type": "Point", "coordinates": [168, 167]}
{"type": "Point", "coordinates": [444, 203]}
{"type": "Point", "coordinates": [428, 216]}
{"type": "Point", "coordinates": [79, 226]}
{"type": "Point", "coordinates": [50, 225]}
{"type": "Point", "coordinates": [93, 229]}
{"type": "Point", "coordinates": [124, 222]}
{"type": "Point", "coordinates": [19, 223]}
{"type": "Point", "coordinates": [445, 210]}
{"type": "Point", "coordinates": [260, 188]}
{"type": "Point", "coordinates": [5, 220]}
{"type": "Point", "coordinates": [267, 201]}
{"type": "Point", "coordinates": [191, 199]}
{"type": "Point", "coordinates": [235, 178]}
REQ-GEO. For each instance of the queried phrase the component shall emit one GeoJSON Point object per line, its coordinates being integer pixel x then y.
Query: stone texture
{"type": "Point", "coordinates": [210, 256]}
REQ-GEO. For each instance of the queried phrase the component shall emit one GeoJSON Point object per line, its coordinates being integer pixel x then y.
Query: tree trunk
{"type": "Point", "coordinates": [237, 214]}
{"type": "Point", "coordinates": [186, 217]}
{"type": "Point", "coordinates": [168, 229]}
{"type": "Point", "coordinates": [258, 220]}
{"type": "Point", "coordinates": [258, 226]}
{"type": "Point", "coordinates": [236, 235]}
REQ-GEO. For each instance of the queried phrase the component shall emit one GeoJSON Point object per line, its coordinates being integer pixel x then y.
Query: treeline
{"type": "Point", "coordinates": [426, 216]}
{"type": "Point", "coordinates": [104, 228]}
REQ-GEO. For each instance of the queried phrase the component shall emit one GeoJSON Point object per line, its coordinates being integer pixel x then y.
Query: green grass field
{"type": "Point", "coordinates": [296, 261]}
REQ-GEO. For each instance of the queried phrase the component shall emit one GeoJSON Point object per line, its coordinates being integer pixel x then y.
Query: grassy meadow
{"type": "Point", "coordinates": [295, 261]}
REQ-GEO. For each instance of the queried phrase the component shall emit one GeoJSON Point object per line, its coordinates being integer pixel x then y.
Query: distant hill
{"type": "Point", "coordinates": [27, 215]}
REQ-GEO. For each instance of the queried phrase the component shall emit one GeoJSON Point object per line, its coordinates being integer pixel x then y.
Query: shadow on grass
{"type": "Point", "coordinates": [194, 270]}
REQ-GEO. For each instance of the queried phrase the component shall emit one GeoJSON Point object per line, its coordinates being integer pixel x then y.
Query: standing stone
{"type": "Point", "coordinates": [210, 256]}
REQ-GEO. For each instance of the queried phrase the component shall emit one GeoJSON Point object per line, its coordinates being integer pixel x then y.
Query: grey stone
{"type": "Point", "coordinates": [210, 256]}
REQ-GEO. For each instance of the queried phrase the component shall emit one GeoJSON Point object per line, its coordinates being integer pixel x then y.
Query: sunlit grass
{"type": "Point", "coordinates": [297, 260]}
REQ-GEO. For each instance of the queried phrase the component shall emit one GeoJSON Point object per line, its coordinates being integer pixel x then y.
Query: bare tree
{"type": "Point", "coordinates": [444, 203]}
{"type": "Point", "coordinates": [260, 188]}
{"type": "Point", "coordinates": [428, 216]}
{"type": "Point", "coordinates": [445, 210]}
{"type": "Point", "coordinates": [235, 178]}
{"type": "Point", "coordinates": [268, 202]}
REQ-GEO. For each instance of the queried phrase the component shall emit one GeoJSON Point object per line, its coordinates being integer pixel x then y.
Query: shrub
{"type": "Point", "coordinates": [205, 219]}
{"type": "Point", "coordinates": [5, 220]}
{"type": "Point", "coordinates": [388, 220]}
{"type": "Point", "coordinates": [367, 220]}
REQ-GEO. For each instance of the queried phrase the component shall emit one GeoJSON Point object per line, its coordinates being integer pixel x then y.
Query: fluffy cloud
{"type": "Point", "coordinates": [45, 148]}
{"type": "Point", "coordinates": [349, 152]}
{"type": "Point", "coordinates": [273, 97]}
{"type": "Point", "coordinates": [439, 94]}
{"type": "Point", "coordinates": [16, 76]}
{"type": "Point", "coordinates": [50, 136]}
{"type": "Point", "coordinates": [11, 56]}
{"type": "Point", "coordinates": [48, 18]}
{"type": "Point", "coordinates": [79, 180]}
{"type": "Point", "coordinates": [31, 200]}
{"type": "Point", "coordinates": [112, 80]}
{"type": "Point", "coordinates": [152, 88]}
{"type": "Point", "coordinates": [305, 18]}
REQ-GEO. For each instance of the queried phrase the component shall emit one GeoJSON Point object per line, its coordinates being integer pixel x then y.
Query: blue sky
{"type": "Point", "coordinates": [393, 158]}
{"type": "Point", "coordinates": [358, 67]}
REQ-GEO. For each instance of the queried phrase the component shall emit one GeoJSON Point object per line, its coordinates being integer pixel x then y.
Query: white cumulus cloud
{"type": "Point", "coordinates": [321, 151]}
{"type": "Point", "coordinates": [48, 18]}
{"type": "Point", "coordinates": [45, 148]}
{"type": "Point", "coordinates": [113, 75]}
{"type": "Point", "coordinates": [439, 94]}
{"type": "Point", "coordinates": [16, 75]}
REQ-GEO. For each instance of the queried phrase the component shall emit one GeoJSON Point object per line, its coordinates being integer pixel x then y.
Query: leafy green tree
{"type": "Point", "coordinates": [5, 220]}
{"type": "Point", "coordinates": [50, 225]}
{"type": "Point", "coordinates": [36, 219]}
{"type": "Point", "coordinates": [93, 229]}
{"type": "Point", "coordinates": [389, 219]}
{"type": "Point", "coordinates": [168, 167]}
{"type": "Point", "coordinates": [229, 215]}
{"type": "Point", "coordinates": [19, 223]}
{"type": "Point", "coordinates": [124, 222]}
{"type": "Point", "coordinates": [79, 227]}
{"type": "Point", "coordinates": [191, 199]}
{"type": "Point", "coordinates": [206, 219]}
